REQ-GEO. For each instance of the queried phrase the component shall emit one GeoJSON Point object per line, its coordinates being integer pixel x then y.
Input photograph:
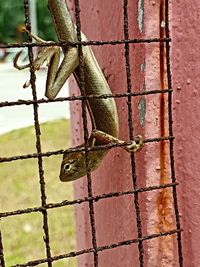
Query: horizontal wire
{"type": "Point", "coordinates": [73, 98]}
{"type": "Point", "coordinates": [78, 149]}
{"type": "Point", "coordinates": [86, 199]}
{"type": "Point", "coordinates": [84, 43]}
{"type": "Point", "coordinates": [100, 248]}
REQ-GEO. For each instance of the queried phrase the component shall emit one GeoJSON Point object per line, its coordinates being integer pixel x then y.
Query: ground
{"type": "Point", "coordinates": [23, 234]}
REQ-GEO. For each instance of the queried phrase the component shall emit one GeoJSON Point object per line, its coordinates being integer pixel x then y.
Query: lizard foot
{"type": "Point", "coordinates": [47, 54]}
{"type": "Point", "coordinates": [135, 145]}
{"type": "Point", "coordinates": [104, 138]}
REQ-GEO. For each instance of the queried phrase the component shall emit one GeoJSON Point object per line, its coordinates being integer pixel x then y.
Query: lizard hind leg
{"type": "Point", "coordinates": [104, 138]}
{"type": "Point", "coordinates": [46, 54]}
{"type": "Point", "coordinates": [15, 61]}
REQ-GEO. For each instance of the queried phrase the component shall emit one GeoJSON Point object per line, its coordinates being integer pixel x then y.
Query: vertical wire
{"type": "Point", "coordinates": [134, 176]}
{"type": "Point", "coordinates": [84, 116]}
{"type": "Point", "coordinates": [171, 141]}
{"type": "Point", "coordinates": [38, 141]}
{"type": "Point", "coordinates": [2, 261]}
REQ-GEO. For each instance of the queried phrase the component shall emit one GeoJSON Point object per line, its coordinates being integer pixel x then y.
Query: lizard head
{"type": "Point", "coordinates": [73, 165]}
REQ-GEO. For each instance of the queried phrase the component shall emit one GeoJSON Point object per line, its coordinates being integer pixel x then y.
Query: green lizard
{"type": "Point", "coordinates": [103, 112]}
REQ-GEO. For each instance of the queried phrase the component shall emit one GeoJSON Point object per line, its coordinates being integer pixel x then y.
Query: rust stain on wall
{"type": "Point", "coordinates": [164, 199]}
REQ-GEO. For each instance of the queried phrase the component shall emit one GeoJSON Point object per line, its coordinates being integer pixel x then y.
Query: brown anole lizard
{"type": "Point", "coordinates": [103, 112]}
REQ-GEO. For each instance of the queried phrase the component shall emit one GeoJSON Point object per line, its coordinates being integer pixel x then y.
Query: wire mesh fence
{"type": "Point", "coordinates": [91, 199]}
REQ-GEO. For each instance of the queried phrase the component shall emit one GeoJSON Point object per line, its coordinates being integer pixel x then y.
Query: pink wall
{"type": "Point", "coordinates": [186, 81]}
{"type": "Point", "coordinates": [115, 173]}
{"type": "Point", "coordinates": [115, 218]}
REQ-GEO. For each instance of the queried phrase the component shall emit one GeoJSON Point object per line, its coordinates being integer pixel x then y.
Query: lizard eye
{"type": "Point", "coordinates": [67, 167]}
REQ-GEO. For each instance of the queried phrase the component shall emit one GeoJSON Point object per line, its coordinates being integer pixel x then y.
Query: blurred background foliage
{"type": "Point", "coordinates": [12, 20]}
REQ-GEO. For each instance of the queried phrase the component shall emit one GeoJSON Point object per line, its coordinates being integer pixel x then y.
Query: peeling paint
{"type": "Point", "coordinates": [142, 110]}
{"type": "Point", "coordinates": [140, 14]}
{"type": "Point", "coordinates": [163, 23]}
{"type": "Point", "coordinates": [143, 66]}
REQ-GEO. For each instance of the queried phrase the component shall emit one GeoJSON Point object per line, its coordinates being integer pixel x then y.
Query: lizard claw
{"type": "Point", "coordinates": [15, 62]}
{"type": "Point", "coordinates": [27, 84]}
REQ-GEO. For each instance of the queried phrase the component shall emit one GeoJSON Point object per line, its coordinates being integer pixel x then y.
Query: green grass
{"type": "Point", "coordinates": [20, 188]}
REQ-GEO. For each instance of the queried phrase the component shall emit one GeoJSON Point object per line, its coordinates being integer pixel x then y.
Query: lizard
{"type": "Point", "coordinates": [103, 112]}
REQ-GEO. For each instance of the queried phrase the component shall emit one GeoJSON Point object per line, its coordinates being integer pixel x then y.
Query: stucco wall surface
{"type": "Point", "coordinates": [115, 218]}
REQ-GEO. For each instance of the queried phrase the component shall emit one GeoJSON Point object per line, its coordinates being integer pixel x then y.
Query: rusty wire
{"type": "Point", "coordinates": [91, 42]}
{"type": "Point", "coordinates": [38, 141]}
{"type": "Point", "coordinates": [86, 135]}
{"type": "Point", "coordinates": [95, 249]}
{"type": "Point", "coordinates": [130, 124]}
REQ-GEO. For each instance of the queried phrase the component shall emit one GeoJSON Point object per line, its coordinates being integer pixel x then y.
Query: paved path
{"type": "Point", "coordinates": [11, 82]}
